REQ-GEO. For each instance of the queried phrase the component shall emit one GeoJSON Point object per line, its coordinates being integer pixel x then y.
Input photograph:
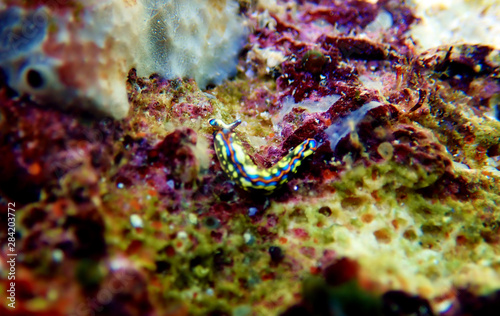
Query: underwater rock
{"type": "Point", "coordinates": [44, 146]}
{"type": "Point", "coordinates": [461, 64]}
{"type": "Point", "coordinates": [398, 303]}
{"type": "Point", "coordinates": [70, 55]}
{"type": "Point", "coordinates": [136, 216]}
{"type": "Point", "coordinates": [77, 54]}
{"type": "Point", "coordinates": [458, 21]}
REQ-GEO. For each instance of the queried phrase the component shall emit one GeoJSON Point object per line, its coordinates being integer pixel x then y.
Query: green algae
{"type": "Point", "coordinates": [381, 193]}
{"type": "Point", "coordinates": [89, 273]}
{"type": "Point", "coordinates": [379, 212]}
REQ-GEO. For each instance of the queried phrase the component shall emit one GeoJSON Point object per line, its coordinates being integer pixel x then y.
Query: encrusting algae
{"type": "Point", "coordinates": [394, 210]}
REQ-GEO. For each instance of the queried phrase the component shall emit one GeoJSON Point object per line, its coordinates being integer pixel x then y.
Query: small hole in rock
{"type": "Point", "coordinates": [34, 78]}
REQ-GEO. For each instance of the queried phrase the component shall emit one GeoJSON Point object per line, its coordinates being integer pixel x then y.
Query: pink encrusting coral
{"type": "Point", "coordinates": [396, 211]}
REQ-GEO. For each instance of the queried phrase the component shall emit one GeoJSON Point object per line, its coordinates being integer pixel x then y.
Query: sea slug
{"type": "Point", "coordinates": [239, 167]}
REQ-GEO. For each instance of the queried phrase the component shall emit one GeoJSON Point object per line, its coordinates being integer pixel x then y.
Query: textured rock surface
{"type": "Point", "coordinates": [136, 217]}
{"type": "Point", "coordinates": [456, 22]}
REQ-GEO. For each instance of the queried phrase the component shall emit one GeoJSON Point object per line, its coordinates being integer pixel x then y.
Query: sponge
{"type": "Point", "coordinates": [76, 54]}
{"type": "Point", "coordinates": [198, 39]}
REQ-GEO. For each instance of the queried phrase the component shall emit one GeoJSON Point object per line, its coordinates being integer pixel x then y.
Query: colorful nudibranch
{"type": "Point", "coordinates": [239, 167]}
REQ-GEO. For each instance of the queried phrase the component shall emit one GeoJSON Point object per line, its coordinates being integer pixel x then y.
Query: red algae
{"type": "Point", "coordinates": [400, 216]}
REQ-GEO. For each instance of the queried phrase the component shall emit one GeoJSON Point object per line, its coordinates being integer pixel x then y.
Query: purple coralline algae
{"type": "Point", "coordinates": [396, 212]}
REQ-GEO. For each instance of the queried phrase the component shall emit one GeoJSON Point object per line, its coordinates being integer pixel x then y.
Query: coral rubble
{"type": "Point", "coordinates": [397, 212]}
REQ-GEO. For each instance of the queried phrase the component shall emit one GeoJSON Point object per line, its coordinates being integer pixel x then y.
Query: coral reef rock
{"type": "Point", "coordinates": [395, 212]}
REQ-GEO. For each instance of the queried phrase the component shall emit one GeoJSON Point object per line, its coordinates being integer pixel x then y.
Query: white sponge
{"type": "Point", "coordinates": [79, 55]}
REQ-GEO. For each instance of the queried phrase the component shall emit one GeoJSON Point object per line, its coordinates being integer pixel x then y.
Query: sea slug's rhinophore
{"type": "Point", "coordinates": [239, 166]}
{"type": "Point", "coordinates": [77, 54]}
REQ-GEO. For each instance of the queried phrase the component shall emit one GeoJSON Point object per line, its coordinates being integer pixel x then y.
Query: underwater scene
{"type": "Point", "coordinates": [250, 157]}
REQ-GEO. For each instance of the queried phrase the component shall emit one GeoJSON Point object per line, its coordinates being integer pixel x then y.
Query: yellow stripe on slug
{"type": "Point", "coordinates": [238, 166]}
